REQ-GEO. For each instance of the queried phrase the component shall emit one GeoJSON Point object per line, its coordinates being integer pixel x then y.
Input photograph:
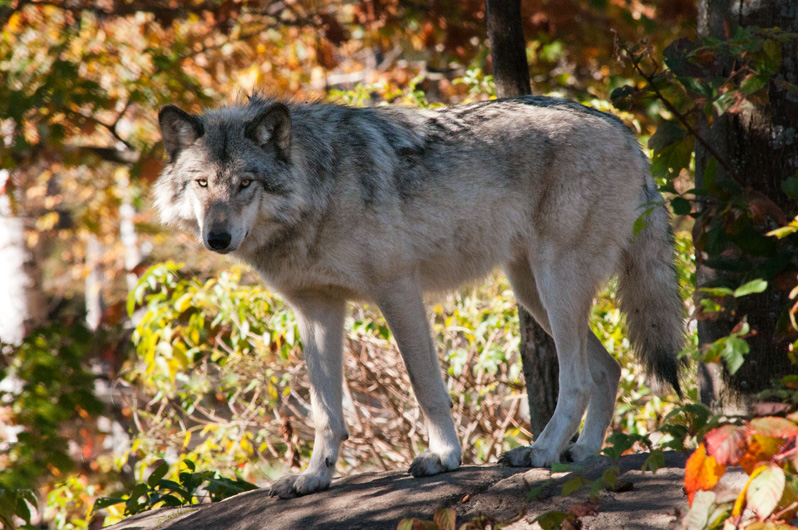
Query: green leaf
{"type": "Point", "coordinates": [610, 476]}
{"type": "Point", "coordinates": [717, 291]}
{"type": "Point", "coordinates": [621, 97]}
{"type": "Point", "coordinates": [672, 159]}
{"type": "Point", "coordinates": [771, 62]}
{"type": "Point", "coordinates": [560, 467]}
{"type": "Point", "coordinates": [131, 303]}
{"type": "Point", "coordinates": [734, 351]}
{"type": "Point", "coordinates": [790, 187]}
{"type": "Point", "coordinates": [104, 502]}
{"type": "Point", "coordinates": [681, 206]}
{"type": "Point", "coordinates": [572, 485]}
{"type": "Point", "coordinates": [668, 133]}
{"type": "Point", "coordinates": [754, 286]}
{"type": "Point", "coordinates": [23, 509]}
{"type": "Point", "coordinates": [641, 222]}
{"type": "Point", "coordinates": [696, 85]}
{"type": "Point", "coordinates": [156, 476]}
{"type": "Point", "coordinates": [655, 461]}
{"type": "Point", "coordinates": [753, 83]}
{"type": "Point", "coordinates": [553, 520]}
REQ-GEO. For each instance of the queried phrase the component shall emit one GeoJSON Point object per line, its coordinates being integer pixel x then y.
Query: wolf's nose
{"type": "Point", "coordinates": [219, 240]}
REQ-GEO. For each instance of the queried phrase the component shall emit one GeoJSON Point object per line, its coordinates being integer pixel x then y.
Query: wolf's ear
{"type": "Point", "coordinates": [179, 129]}
{"type": "Point", "coordinates": [272, 128]}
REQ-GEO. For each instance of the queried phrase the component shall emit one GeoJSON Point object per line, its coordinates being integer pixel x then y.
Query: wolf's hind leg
{"type": "Point", "coordinates": [559, 297]}
{"type": "Point", "coordinates": [606, 373]}
{"type": "Point", "coordinates": [321, 322]}
{"type": "Point", "coordinates": [402, 304]}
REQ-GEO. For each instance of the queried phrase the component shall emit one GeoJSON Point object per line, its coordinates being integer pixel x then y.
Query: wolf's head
{"type": "Point", "coordinates": [226, 171]}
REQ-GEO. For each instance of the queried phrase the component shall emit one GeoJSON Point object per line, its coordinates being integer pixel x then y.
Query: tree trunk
{"type": "Point", "coordinates": [762, 146]}
{"type": "Point", "coordinates": [93, 286]}
{"type": "Point", "coordinates": [511, 74]}
{"type": "Point", "coordinates": [23, 304]}
{"type": "Point", "coordinates": [507, 48]}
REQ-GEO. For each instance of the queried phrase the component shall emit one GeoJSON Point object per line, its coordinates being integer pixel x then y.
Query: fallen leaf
{"type": "Point", "coordinates": [585, 509]}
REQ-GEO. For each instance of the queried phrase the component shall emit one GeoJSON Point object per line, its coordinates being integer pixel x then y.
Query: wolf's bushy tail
{"type": "Point", "coordinates": [649, 294]}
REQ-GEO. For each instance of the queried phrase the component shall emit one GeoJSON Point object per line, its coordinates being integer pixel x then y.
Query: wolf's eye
{"type": "Point", "coordinates": [203, 183]}
{"type": "Point", "coordinates": [245, 183]}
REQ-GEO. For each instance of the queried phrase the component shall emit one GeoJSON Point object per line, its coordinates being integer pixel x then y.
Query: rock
{"type": "Point", "coordinates": [377, 501]}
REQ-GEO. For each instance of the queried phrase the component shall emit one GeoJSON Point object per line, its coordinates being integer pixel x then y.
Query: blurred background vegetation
{"type": "Point", "coordinates": [117, 360]}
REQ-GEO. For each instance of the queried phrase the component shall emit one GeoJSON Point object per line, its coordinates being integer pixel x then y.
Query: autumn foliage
{"type": "Point", "coordinates": [766, 449]}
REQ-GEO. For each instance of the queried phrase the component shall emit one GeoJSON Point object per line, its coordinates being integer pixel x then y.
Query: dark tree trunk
{"type": "Point", "coordinates": [762, 146]}
{"type": "Point", "coordinates": [507, 48]}
{"type": "Point", "coordinates": [511, 74]}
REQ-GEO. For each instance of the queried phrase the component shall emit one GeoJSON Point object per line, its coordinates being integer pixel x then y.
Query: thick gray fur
{"type": "Point", "coordinates": [331, 203]}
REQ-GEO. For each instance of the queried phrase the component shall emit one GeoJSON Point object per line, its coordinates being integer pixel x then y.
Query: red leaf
{"type": "Point", "coordinates": [584, 509]}
{"type": "Point", "coordinates": [769, 408]}
{"type": "Point", "coordinates": [774, 427]}
{"type": "Point", "coordinates": [726, 444]}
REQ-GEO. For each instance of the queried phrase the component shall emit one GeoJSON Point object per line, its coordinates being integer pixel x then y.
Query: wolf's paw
{"type": "Point", "coordinates": [527, 456]}
{"type": "Point", "coordinates": [298, 484]}
{"type": "Point", "coordinates": [429, 463]}
{"type": "Point", "coordinates": [579, 453]}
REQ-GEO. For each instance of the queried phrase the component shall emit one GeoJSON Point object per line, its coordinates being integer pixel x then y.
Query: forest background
{"type": "Point", "coordinates": [129, 349]}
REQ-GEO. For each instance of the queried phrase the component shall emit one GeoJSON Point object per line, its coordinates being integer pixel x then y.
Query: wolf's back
{"type": "Point", "coordinates": [649, 294]}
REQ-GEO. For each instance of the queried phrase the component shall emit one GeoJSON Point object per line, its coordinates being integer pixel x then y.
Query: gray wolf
{"type": "Point", "coordinates": [330, 203]}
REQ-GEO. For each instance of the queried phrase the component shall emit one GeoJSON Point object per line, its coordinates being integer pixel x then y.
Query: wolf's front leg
{"type": "Point", "coordinates": [402, 304]}
{"type": "Point", "coordinates": [321, 322]}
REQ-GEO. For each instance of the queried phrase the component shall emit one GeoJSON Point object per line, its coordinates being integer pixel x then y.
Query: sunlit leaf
{"type": "Point", "coordinates": [701, 472]}
{"type": "Point", "coordinates": [765, 490]}
{"type": "Point", "coordinates": [754, 286]}
{"type": "Point", "coordinates": [761, 449]}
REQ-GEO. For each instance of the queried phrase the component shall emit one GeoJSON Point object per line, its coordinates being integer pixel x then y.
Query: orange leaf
{"type": "Point", "coordinates": [760, 449]}
{"type": "Point", "coordinates": [701, 472]}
